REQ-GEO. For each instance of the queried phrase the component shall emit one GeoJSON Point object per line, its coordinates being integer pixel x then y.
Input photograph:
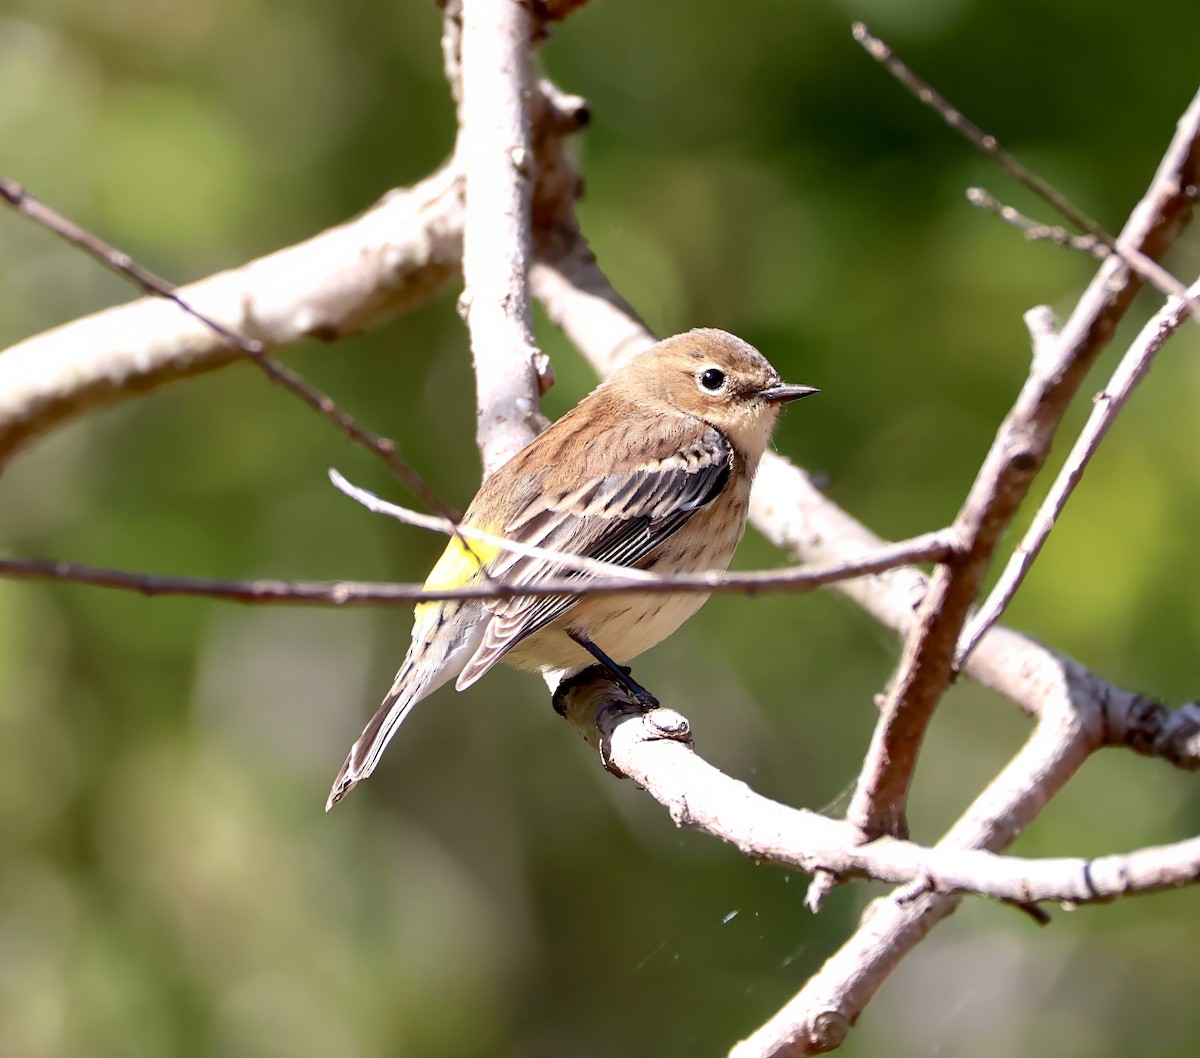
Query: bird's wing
{"type": "Point", "coordinates": [620, 517]}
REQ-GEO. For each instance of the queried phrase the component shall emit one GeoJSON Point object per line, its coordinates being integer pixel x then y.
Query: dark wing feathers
{"type": "Point", "coordinates": [621, 517]}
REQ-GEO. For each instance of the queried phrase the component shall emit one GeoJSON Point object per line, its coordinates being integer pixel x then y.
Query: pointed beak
{"type": "Point", "coordinates": [782, 393]}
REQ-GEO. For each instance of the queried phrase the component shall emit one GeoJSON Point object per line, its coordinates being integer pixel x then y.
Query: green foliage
{"type": "Point", "coordinates": [168, 883]}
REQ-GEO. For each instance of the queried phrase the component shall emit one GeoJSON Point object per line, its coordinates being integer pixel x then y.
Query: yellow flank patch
{"type": "Point", "coordinates": [457, 567]}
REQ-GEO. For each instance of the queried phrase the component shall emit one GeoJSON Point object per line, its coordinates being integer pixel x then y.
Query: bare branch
{"type": "Point", "coordinates": [112, 258]}
{"type": "Point", "coordinates": [496, 151]}
{"type": "Point", "coordinates": [393, 257]}
{"type": "Point", "coordinates": [260, 591]}
{"type": "Point", "coordinates": [569, 283]}
{"type": "Point", "coordinates": [251, 348]}
{"type": "Point", "coordinates": [1150, 728]}
{"type": "Point", "coordinates": [655, 750]}
{"type": "Point", "coordinates": [390, 259]}
{"type": "Point", "coordinates": [579, 299]}
{"type": "Point", "coordinates": [819, 1016]}
{"type": "Point", "coordinates": [1018, 452]}
{"type": "Point", "coordinates": [793, 514]}
{"type": "Point", "coordinates": [1135, 257]}
{"type": "Point", "coordinates": [1108, 403]}
{"type": "Point", "coordinates": [1034, 230]}
{"type": "Point", "coordinates": [930, 548]}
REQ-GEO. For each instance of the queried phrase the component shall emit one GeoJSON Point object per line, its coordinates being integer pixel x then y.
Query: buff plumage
{"type": "Point", "coordinates": [652, 471]}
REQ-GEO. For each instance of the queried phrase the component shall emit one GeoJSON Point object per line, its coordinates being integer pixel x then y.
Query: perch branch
{"type": "Point", "coordinates": [251, 348]}
{"type": "Point", "coordinates": [655, 750]}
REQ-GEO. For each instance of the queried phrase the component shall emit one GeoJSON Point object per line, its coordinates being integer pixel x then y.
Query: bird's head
{"type": "Point", "coordinates": [717, 377]}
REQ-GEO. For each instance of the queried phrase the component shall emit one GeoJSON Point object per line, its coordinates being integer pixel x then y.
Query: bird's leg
{"type": "Point", "coordinates": [620, 672]}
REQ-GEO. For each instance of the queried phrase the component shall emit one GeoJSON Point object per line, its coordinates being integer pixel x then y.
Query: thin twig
{"type": "Point", "coordinates": [561, 559]}
{"type": "Point", "coordinates": [1108, 403]}
{"type": "Point", "coordinates": [933, 547]}
{"type": "Point", "coordinates": [1034, 230]}
{"type": "Point", "coordinates": [1152, 272]}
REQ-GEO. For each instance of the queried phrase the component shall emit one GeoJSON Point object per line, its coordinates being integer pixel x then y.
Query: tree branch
{"type": "Point", "coordinates": [1130, 371]}
{"type": "Point", "coordinates": [819, 1016]}
{"type": "Point", "coordinates": [250, 348]}
{"type": "Point", "coordinates": [496, 152]}
{"type": "Point", "coordinates": [929, 548]}
{"type": "Point", "coordinates": [1134, 257]}
{"type": "Point", "coordinates": [654, 749]}
{"type": "Point", "coordinates": [1018, 452]}
{"type": "Point", "coordinates": [389, 259]}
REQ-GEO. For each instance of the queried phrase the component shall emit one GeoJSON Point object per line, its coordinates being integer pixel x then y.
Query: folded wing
{"type": "Point", "coordinates": [620, 518]}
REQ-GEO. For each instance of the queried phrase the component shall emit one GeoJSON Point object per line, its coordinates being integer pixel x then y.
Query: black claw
{"type": "Point", "coordinates": [645, 699]}
{"type": "Point", "coordinates": [620, 672]}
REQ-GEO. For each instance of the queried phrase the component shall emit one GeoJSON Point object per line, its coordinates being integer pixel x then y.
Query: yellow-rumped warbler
{"type": "Point", "coordinates": [652, 470]}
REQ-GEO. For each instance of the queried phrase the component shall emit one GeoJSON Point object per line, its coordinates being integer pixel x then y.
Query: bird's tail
{"type": "Point", "coordinates": [430, 662]}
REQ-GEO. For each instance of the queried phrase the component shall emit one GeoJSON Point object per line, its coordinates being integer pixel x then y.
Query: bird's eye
{"type": "Point", "coordinates": [711, 379]}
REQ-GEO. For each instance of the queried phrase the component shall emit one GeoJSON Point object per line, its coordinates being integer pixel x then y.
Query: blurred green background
{"type": "Point", "coordinates": [169, 885]}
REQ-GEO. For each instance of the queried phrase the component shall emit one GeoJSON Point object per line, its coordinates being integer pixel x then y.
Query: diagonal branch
{"type": "Point", "coordinates": [389, 259]}
{"type": "Point", "coordinates": [1130, 371]}
{"type": "Point", "coordinates": [250, 348]}
{"type": "Point", "coordinates": [1018, 452]}
{"type": "Point", "coordinates": [819, 1017]}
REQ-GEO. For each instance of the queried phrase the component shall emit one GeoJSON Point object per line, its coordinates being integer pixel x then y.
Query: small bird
{"type": "Point", "coordinates": [652, 471]}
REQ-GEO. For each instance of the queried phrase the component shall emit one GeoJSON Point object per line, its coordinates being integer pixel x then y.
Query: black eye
{"type": "Point", "coordinates": [712, 379]}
